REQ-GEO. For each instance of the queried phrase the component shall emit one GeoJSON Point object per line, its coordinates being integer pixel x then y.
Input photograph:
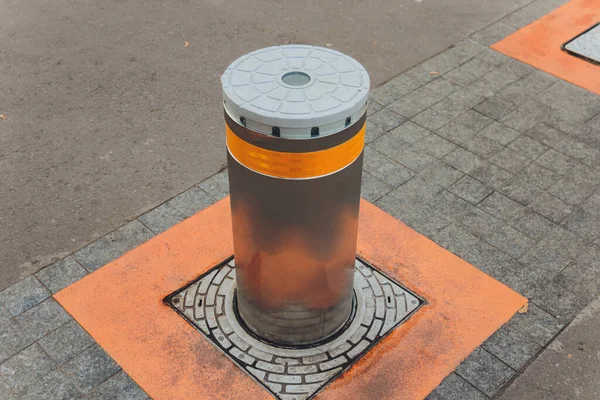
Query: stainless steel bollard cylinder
{"type": "Point", "coordinates": [295, 122]}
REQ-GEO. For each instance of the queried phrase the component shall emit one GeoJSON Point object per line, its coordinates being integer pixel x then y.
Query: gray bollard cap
{"type": "Point", "coordinates": [302, 91]}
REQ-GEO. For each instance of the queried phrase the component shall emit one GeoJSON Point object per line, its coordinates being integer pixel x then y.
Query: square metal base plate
{"type": "Point", "coordinates": [208, 304]}
{"type": "Point", "coordinates": [586, 45]}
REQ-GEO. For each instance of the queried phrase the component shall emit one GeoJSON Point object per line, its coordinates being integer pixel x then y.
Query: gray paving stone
{"type": "Point", "coordinates": [113, 245]}
{"type": "Point", "coordinates": [373, 106]}
{"type": "Point", "coordinates": [54, 386]}
{"type": "Point", "coordinates": [532, 224]}
{"type": "Point", "coordinates": [469, 71]}
{"type": "Point", "coordinates": [470, 190]}
{"type": "Point", "coordinates": [491, 175]}
{"type": "Point", "coordinates": [468, 48]}
{"type": "Point", "coordinates": [528, 147]}
{"type": "Point", "coordinates": [549, 261]}
{"type": "Point", "coordinates": [388, 92]}
{"type": "Point", "coordinates": [570, 127]}
{"type": "Point", "coordinates": [559, 302]}
{"type": "Point", "coordinates": [495, 107]}
{"type": "Point", "coordinates": [43, 318]}
{"type": "Point", "coordinates": [510, 160]}
{"type": "Point", "coordinates": [430, 119]}
{"type": "Point", "coordinates": [557, 162]}
{"type": "Point", "coordinates": [533, 83]}
{"type": "Point", "coordinates": [191, 201]}
{"type": "Point", "coordinates": [387, 119]}
{"type": "Point", "coordinates": [435, 145]}
{"type": "Point", "coordinates": [482, 146]}
{"type": "Point", "coordinates": [456, 240]}
{"type": "Point", "coordinates": [594, 123]}
{"type": "Point", "coordinates": [443, 86]}
{"type": "Point", "coordinates": [410, 132]}
{"type": "Point", "coordinates": [493, 57]}
{"type": "Point", "coordinates": [463, 160]}
{"type": "Point", "coordinates": [372, 189]}
{"type": "Point", "coordinates": [392, 173]}
{"type": "Point", "coordinates": [492, 33]}
{"type": "Point", "coordinates": [449, 108]}
{"type": "Point", "coordinates": [23, 295]}
{"type": "Point", "coordinates": [402, 152]}
{"type": "Point", "coordinates": [579, 151]}
{"type": "Point", "coordinates": [118, 387]}
{"type": "Point", "coordinates": [373, 131]}
{"type": "Point", "coordinates": [551, 207]}
{"type": "Point", "coordinates": [470, 96]}
{"type": "Point", "coordinates": [421, 74]}
{"type": "Point", "coordinates": [161, 218]}
{"type": "Point", "coordinates": [519, 189]}
{"type": "Point", "coordinates": [61, 274]}
{"type": "Point", "coordinates": [490, 260]}
{"type": "Point", "coordinates": [517, 67]}
{"type": "Point", "coordinates": [373, 159]}
{"type": "Point", "coordinates": [485, 371]}
{"type": "Point", "coordinates": [464, 127]}
{"type": "Point", "coordinates": [217, 185]}
{"type": "Point", "coordinates": [450, 205]}
{"type": "Point", "coordinates": [539, 176]}
{"type": "Point", "coordinates": [582, 280]}
{"type": "Point", "coordinates": [24, 369]}
{"type": "Point", "coordinates": [591, 254]}
{"type": "Point", "coordinates": [6, 393]}
{"type": "Point", "coordinates": [526, 280]}
{"type": "Point", "coordinates": [546, 134]}
{"type": "Point", "coordinates": [494, 232]}
{"type": "Point", "coordinates": [90, 368]}
{"type": "Point", "coordinates": [13, 338]}
{"type": "Point", "coordinates": [529, 114]}
{"type": "Point", "coordinates": [407, 107]}
{"type": "Point", "coordinates": [577, 185]}
{"type": "Point", "coordinates": [584, 224]}
{"type": "Point", "coordinates": [441, 174]}
{"type": "Point", "coordinates": [566, 243]}
{"type": "Point", "coordinates": [66, 342]}
{"type": "Point", "coordinates": [572, 101]}
{"type": "Point", "coordinates": [445, 61]}
{"type": "Point", "coordinates": [512, 347]}
{"type": "Point", "coordinates": [592, 204]}
{"type": "Point", "coordinates": [425, 96]}
{"type": "Point", "coordinates": [500, 133]}
{"type": "Point", "coordinates": [500, 206]}
{"type": "Point", "coordinates": [453, 387]}
{"type": "Point", "coordinates": [537, 323]}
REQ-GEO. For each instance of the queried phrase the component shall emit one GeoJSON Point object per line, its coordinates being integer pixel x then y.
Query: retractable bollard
{"type": "Point", "coordinates": [295, 122]}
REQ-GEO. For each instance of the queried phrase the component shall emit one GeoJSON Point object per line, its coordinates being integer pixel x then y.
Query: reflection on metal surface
{"type": "Point", "coordinates": [294, 242]}
{"type": "Point", "coordinates": [209, 304]}
{"type": "Point", "coordinates": [586, 45]}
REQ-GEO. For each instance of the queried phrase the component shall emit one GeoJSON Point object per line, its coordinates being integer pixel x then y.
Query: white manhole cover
{"type": "Point", "coordinates": [586, 45]}
{"type": "Point", "coordinates": [208, 303]}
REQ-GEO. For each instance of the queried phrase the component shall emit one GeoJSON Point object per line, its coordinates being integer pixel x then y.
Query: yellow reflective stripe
{"type": "Point", "coordinates": [295, 165]}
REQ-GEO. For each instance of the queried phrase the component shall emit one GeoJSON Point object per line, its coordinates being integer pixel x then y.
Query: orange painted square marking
{"type": "Point", "coordinates": [121, 306]}
{"type": "Point", "coordinates": [539, 44]}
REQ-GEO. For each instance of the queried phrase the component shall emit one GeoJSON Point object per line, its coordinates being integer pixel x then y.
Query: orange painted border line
{"type": "Point", "coordinates": [539, 44]}
{"type": "Point", "coordinates": [121, 306]}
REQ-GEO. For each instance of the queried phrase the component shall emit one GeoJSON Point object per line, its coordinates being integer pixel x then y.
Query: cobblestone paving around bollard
{"type": "Point", "coordinates": [494, 160]}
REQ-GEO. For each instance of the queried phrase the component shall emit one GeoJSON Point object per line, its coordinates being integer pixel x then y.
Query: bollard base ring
{"type": "Point", "coordinates": [294, 373]}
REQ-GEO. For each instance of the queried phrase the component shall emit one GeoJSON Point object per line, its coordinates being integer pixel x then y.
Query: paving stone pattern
{"type": "Point", "coordinates": [494, 160]}
{"type": "Point", "coordinates": [294, 374]}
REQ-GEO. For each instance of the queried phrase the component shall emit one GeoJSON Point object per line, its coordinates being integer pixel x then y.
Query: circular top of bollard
{"type": "Point", "coordinates": [295, 91]}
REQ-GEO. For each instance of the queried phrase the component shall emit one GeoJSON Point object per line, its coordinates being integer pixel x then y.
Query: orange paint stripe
{"type": "Point", "coordinates": [539, 44]}
{"type": "Point", "coordinates": [295, 165]}
{"type": "Point", "coordinates": [121, 306]}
